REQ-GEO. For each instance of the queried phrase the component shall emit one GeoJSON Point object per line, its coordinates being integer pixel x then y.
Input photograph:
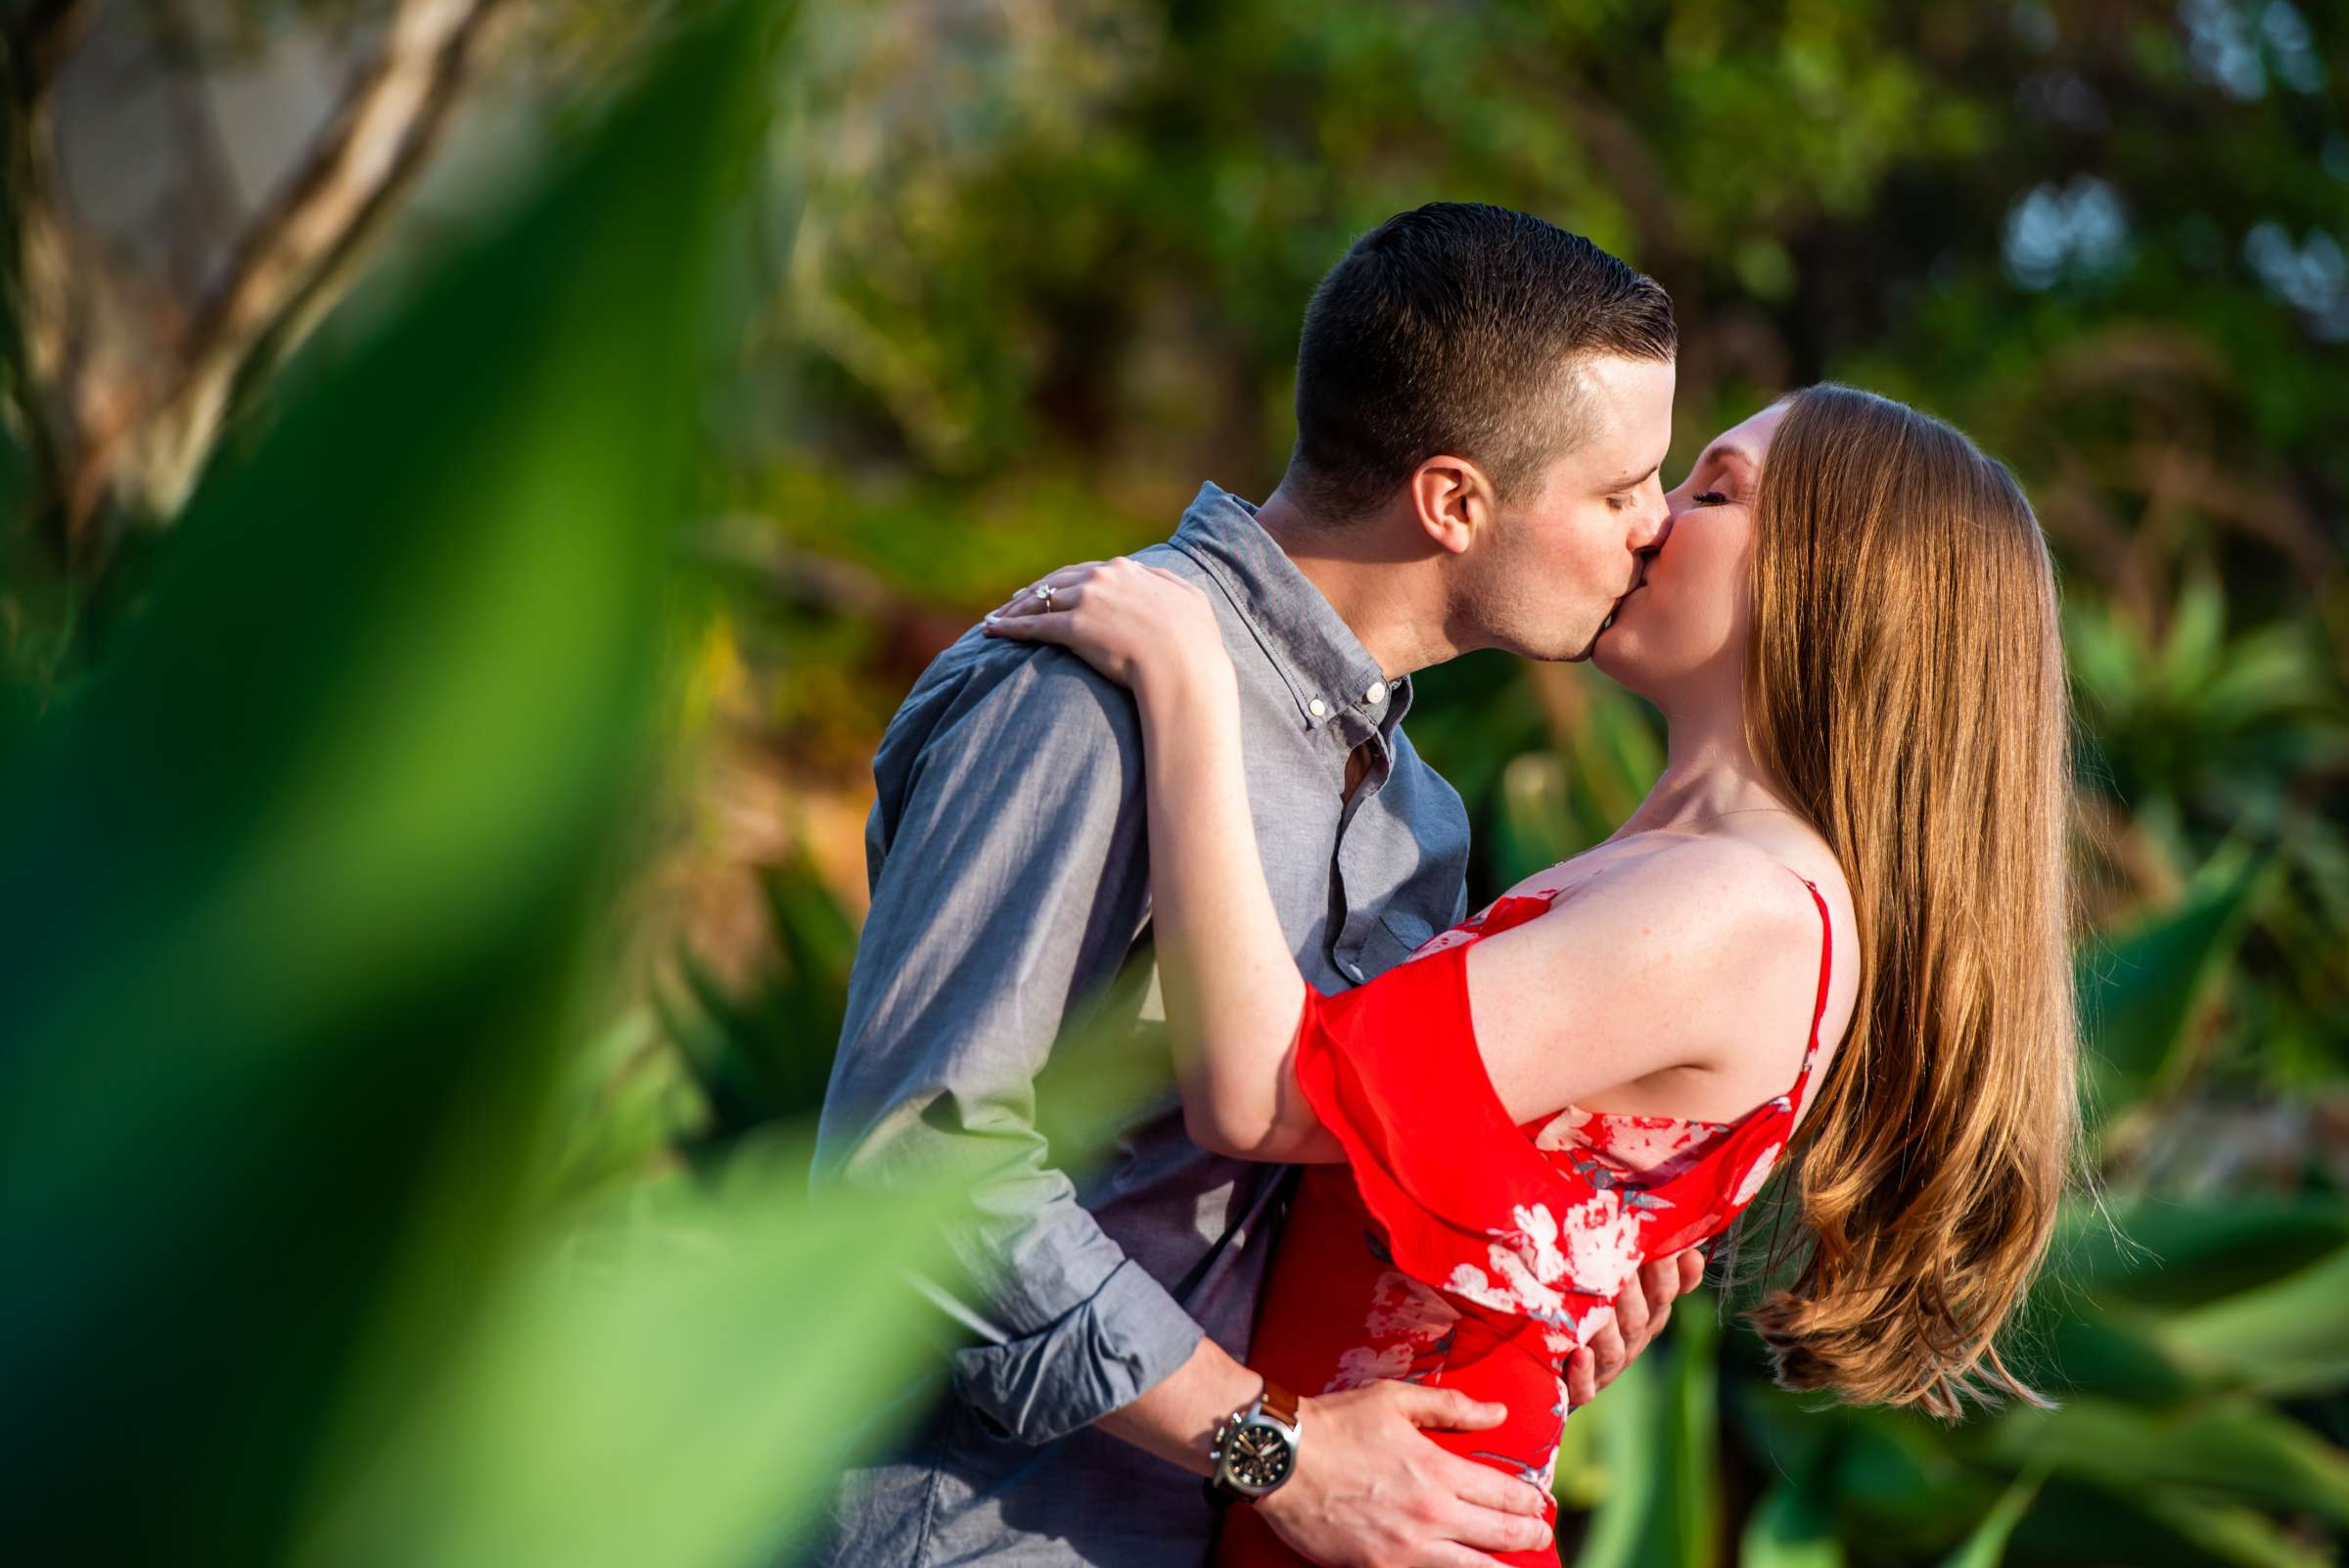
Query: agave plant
{"type": "Point", "coordinates": [2209, 743]}
{"type": "Point", "coordinates": [302, 884]}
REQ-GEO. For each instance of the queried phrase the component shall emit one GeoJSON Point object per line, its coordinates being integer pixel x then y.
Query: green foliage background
{"type": "Point", "coordinates": [372, 1198]}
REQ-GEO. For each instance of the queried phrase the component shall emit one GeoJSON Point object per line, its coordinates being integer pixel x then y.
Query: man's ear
{"type": "Point", "coordinates": [1452, 501]}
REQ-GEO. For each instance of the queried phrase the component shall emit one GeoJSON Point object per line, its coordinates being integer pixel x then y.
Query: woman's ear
{"type": "Point", "coordinates": [1451, 500]}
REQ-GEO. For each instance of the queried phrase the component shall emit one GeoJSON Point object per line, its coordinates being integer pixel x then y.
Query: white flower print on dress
{"type": "Point", "coordinates": [1594, 1251]}
{"type": "Point", "coordinates": [1541, 1231]}
{"type": "Point", "coordinates": [1406, 1320]}
{"type": "Point", "coordinates": [1366, 1365]}
{"type": "Point", "coordinates": [1754, 1175]}
{"type": "Point", "coordinates": [1600, 1239]}
{"type": "Point", "coordinates": [1401, 1305]}
{"type": "Point", "coordinates": [1516, 1291]}
{"type": "Point", "coordinates": [1653, 1147]}
{"type": "Point", "coordinates": [1591, 1321]}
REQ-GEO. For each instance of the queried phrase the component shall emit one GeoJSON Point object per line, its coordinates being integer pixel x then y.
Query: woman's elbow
{"type": "Point", "coordinates": [1229, 1130]}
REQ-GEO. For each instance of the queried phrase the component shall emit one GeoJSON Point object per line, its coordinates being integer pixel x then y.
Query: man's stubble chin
{"type": "Point", "coordinates": [1580, 654]}
{"type": "Point", "coordinates": [1542, 650]}
{"type": "Point", "coordinates": [1550, 649]}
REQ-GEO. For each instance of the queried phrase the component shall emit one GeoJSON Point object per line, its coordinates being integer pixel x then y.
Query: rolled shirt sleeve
{"type": "Point", "coordinates": [1007, 849]}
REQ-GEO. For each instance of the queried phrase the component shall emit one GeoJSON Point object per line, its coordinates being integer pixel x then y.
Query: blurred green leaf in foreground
{"type": "Point", "coordinates": [302, 891]}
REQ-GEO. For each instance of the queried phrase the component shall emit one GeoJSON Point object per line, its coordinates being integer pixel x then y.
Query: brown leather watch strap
{"type": "Point", "coordinates": [1280, 1404]}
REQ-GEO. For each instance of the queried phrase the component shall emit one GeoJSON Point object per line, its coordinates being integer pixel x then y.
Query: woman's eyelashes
{"type": "Point", "coordinates": [1709, 498]}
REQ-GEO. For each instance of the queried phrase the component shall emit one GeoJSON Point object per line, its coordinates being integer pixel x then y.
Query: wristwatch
{"type": "Point", "coordinates": [1255, 1448]}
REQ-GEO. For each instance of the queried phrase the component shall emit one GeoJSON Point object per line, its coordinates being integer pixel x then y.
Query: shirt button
{"type": "Point", "coordinates": [1377, 692]}
{"type": "Point", "coordinates": [1354, 972]}
{"type": "Point", "coordinates": [1318, 708]}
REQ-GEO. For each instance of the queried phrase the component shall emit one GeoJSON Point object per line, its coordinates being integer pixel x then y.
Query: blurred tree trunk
{"type": "Point", "coordinates": [120, 384]}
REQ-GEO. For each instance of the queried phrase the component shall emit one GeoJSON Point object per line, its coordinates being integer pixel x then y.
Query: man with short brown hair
{"type": "Point", "coordinates": [1484, 402]}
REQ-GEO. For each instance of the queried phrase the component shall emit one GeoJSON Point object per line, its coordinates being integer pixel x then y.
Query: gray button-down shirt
{"type": "Point", "coordinates": [1010, 881]}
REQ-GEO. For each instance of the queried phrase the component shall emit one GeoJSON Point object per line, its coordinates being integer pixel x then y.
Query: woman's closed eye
{"type": "Point", "coordinates": [1709, 498]}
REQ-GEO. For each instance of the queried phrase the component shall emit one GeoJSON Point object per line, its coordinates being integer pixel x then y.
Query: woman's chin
{"type": "Point", "coordinates": [1608, 655]}
{"type": "Point", "coordinates": [1619, 657]}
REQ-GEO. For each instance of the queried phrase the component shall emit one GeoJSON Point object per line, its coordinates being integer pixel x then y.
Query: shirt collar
{"type": "Point", "coordinates": [1328, 672]}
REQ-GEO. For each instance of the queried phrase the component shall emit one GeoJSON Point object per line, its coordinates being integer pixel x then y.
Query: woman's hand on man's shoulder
{"type": "Point", "coordinates": [1136, 624]}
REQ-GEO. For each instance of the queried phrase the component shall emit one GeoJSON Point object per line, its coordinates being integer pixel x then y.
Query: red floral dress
{"type": "Point", "coordinates": [1457, 1249]}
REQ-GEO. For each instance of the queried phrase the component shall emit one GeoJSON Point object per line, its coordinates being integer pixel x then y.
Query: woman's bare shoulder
{"type": "Point", "coordinates": [1743, 931]}
{"type": "Point", "coordinates": [1701, 882]}
{"type": "Point", "coordinates": [1661, 975]}
{"type": "Point", "coordinates": [1766, 938]}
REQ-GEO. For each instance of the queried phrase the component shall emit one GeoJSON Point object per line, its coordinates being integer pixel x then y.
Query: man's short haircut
{"type": "Point", "coordinates": [1457, 328]}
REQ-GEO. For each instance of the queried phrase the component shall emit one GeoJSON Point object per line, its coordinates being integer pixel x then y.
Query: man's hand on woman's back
{"type": "Point", "coordinates": [1371, 1491]}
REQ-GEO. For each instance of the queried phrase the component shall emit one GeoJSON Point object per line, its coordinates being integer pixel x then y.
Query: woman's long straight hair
{"type": "Point", "coordinates": [1906, 689]}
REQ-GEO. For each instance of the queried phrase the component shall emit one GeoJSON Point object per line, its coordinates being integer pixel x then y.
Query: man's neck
{"type": "Point", "coordinates": [1386, 595]}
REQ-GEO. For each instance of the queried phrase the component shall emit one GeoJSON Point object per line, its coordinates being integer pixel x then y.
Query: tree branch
{"type": "Point", "coordinates": [293, 255]}
{"type": "Point", "coordinates": [47, 329]}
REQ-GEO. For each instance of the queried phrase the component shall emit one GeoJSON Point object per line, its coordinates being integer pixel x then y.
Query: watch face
{"type": "Point", "coordinates": [1260, 1456]}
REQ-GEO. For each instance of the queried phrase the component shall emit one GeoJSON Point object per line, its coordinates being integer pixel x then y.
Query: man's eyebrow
{"type": "Point", "coordinates": [1632, 482]}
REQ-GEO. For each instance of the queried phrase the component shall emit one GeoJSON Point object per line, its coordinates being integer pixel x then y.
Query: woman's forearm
{"type": "Point", "coordinates": [1232, 989]}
